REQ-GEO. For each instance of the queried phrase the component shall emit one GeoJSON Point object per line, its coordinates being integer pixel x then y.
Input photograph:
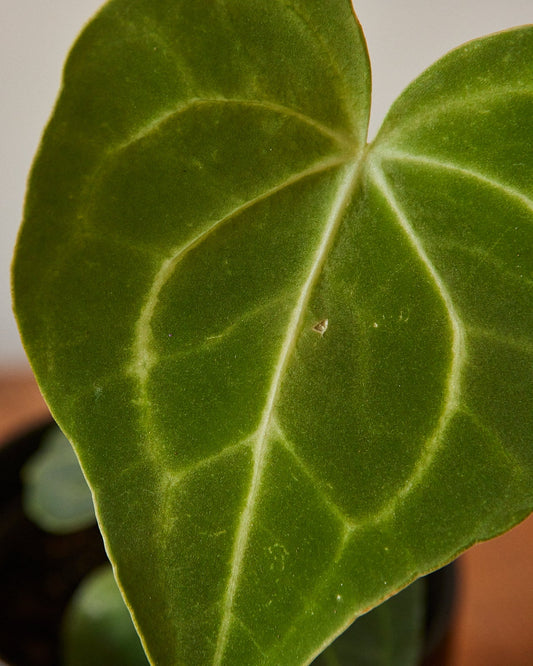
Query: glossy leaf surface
{"type": "Point", "coordinates": [297, 370]}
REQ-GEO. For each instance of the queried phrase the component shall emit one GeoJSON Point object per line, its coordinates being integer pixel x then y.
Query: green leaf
{"type": "Point", "coordinates": [296, 369]}
{"type": "Point", "coordinates": [390, 635]}
{"type": "Point", "coordinates": [97, 627]}
{"type": "Point", "coordinates": [55, 494]}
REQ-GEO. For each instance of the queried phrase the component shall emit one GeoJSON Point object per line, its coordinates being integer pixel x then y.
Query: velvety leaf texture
{"type": "Point", "coordinates": [297, 369]}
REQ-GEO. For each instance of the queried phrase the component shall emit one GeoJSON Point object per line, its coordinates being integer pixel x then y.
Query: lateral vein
{"type": "Point", "coordinates": [143, 358]}
{"type": "Point", "coordinates": [505, 189]}
{"type": "Point", "coordinates": [458, 356]}
{"type": "Point", "coordinates": [474, 101]}
{"type": "Point", "coordinates": [155, 123]}
{"type": "Point", "coordinates": [261, 449]}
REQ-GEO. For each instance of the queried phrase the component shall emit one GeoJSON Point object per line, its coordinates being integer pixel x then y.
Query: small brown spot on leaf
{"type": "Point", "coordinates": [321, 326]}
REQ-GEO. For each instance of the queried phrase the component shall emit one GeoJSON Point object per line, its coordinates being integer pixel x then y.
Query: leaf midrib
{"type": "Point", "coordinates": [143, 359]}
{"type": "Point", "coordinates": [261, 449]}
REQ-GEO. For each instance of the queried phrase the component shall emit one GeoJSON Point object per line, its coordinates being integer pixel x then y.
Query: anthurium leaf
{"type": "Point", "coordinates": [97, 629]}
{"type": "Point", "coordinates": [390, 635]}
{"type": "Point", "coordinates": [296, 369]}
{"type": "Point", "coordinates": [55, 494]}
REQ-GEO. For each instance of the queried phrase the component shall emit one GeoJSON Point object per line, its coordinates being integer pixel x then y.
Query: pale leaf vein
{"type": "Point", "coordinates": [495, 440]}
{"type": "Point", "coordinates": [474, 103]}
{"type": "Point", "coordinates": [143, 357]}
{"type": "Point", "coordinates": [329, 503]}
{"type": "Point", "coordinates": [452, 391]}
{"type": "Point", "coordinates": [154, 124]}
{"type": "Point", "coordinates": [262, 441]}
{"type": "Point", "coordinates": [523, 345]}
{"type": "Point", "coordinates": [467, 172]}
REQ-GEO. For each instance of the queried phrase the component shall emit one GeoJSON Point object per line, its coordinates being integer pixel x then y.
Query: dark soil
{"type": "Point", "coordinates": [39, 571]}
{"type": "Point", "coordinates": [441, 598]}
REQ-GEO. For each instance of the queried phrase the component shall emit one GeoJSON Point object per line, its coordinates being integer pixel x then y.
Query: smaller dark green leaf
{"type": "Point", "coordinates": [55, 494]}
{"type": "Point", "coordinates": [98, 628]}
{"type": "Point", "coordinates": [390, 635]}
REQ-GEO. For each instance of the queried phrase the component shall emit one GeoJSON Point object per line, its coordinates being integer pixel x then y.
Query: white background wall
{"type": "Point", "coordinates": [404, 37]}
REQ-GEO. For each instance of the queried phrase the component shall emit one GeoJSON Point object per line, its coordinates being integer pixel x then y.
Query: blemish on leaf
{"type": "Point", "coordinates": [278, 553]}
{"type": "Point", "coordinates": [403, 316]}
{"type": "Point", "coordinates": [321, 327]}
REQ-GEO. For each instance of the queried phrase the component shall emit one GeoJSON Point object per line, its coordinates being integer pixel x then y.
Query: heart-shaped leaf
{"type": "Point", "coordinates": [296, 369]}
